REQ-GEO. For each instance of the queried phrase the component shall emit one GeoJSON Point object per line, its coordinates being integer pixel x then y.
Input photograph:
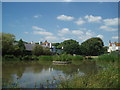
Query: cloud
{"type": "Point", "coordinates": [38, 28]}
{"type": "Point", "coordinates": [111, 22]}
{"type": "Point", "coordinates": [65, 18]}
{"type": "Point", "coordinates": [86, 35]}
{"type": "Point", "coordinates": [115, 37]}
{"type": "Point", "coordinates": [108, 28]}
{"type": "Point", "coordinates": [42, 33]}
{"type": "Point", "coordinates": [26, 32]}
{"type": "Point", "coordinates": [63, 31]}
{"type": "Point", "coordinates": [100, 36]}
{"type": "Point", "coordinates": [68, 0]}
{"type": "Point", "coordinates": [92, 18]}
{"type": "Point", "coordinates": [77, 32]}
{"type": "Point", "coordinates": [51, 38]}
{"type": "Point", "coordinates": [37, 16]}
{"type": "Point", "coordinates": [80, 21]}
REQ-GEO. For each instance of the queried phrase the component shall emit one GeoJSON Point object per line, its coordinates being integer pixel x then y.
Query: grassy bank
{"type": "Point", "coordinates": [63, 57]}
{"type": "Point", "coordinates": [106, 78]}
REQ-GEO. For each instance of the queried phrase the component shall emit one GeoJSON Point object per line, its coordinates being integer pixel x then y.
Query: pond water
{"type": "Point", "coordinates": [43, 73]}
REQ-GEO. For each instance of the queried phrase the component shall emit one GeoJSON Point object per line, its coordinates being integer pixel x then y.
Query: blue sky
{"type": "Point", "coordinates": [59, 21]}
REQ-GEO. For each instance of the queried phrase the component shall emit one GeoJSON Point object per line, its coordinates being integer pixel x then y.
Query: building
{"type": "Point", "coordinates": [114, 46]}
{"type": "Point", "coordinates": [31, 45]}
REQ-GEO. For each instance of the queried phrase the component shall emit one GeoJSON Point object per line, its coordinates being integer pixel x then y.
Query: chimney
{"type": "Point", "coordinates": [50, 45]}
{"type": "Point", "coordinates": [32, 42]}
{"type": "Point", "coordinates": [39, 42]}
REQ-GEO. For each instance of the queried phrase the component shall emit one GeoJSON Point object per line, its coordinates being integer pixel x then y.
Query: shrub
{"type": "Point", "coordinates": [106, 78]}
{"type": "Point", "coordinates": [45, 58]}
{"type": "Point", "coordinates": [63, 57]}
{"type": "Point", "coordinates": [78, 57]}
{"type": "Point", "coordinates": [109, 57]}
{"type": "Point", "coordinates": [27, 57]}
{"type": "Point", "coordinates": [9, 56]}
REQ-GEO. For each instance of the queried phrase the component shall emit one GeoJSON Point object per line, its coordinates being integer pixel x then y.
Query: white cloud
{"type": "Point", "coordinates": [111, 22]}
{"type": "Point", "coordinates": [100, 36]}
{"type": "Point", "coordinates": [115, 37]}
{"type": "Point", "coordinates": [63, 31]}
{"type": "Point", "coordinates": [42, 33]}
{"type": "Point", "coordinates": [108, 28]}
{"type": "Point", "coordinates": [68, 0]}
{"type": "Point", "coordinates": [65, 18]}
{"type": "Point", "coordinates": [92, 18]}
{"type": "Point", "coordinates": [37, 16]}
{"type": "Point", "coordinates": [51, 38]}
{"type": "Point", "coordinates": [26, 32]}
{"type": "Point", "coordinates": [80, 21]}
{"type": "Point", "coordinates": [64, 38]}
{"type": "Point", "coordinates": [38, 28]}
{"type": "Point", "coordinates": [77, 32]}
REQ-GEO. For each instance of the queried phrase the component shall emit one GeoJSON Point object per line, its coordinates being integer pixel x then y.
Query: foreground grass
{"type": "Point", "coordinates": [106, 78]}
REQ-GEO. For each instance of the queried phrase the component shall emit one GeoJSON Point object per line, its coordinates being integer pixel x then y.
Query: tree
{"type": "Point", "coordinates": [71, 46]}
{"type": "Point", "coordinates": [21, 47]}
{"type": "Point", "coordinates": [38, 50]}
{"type": "Point", "coordinates": [7, 43]}
{"type": "Point", "coordinates": [92, 46]}
{"type": "Point", "coordinates": [46, 51]}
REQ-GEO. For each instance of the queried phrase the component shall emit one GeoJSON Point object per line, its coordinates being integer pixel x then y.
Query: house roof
{"type": "Point", "coordinates": [29, 46]}
{"type": "Point", "coordinates": [117, 44]}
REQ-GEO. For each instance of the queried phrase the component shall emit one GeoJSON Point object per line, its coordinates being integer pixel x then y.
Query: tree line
{"type": "Point", "coordinates": [91, 47]}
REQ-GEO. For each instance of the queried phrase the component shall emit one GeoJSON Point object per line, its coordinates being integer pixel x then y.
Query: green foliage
{"type": "Point", "coordinates": [27, 57]}
{"type": "Point", "coordinates": [114, 56]}
{"type": "Point", "coordinates": [77, 57]}
{"type": "Point", "coordinates": [62, 57]}
{"type": "Point", "coordinates": [46, 51]}
{"type": "Point", "coordinates": [71, 46]}
{"type": "Point", "coordinates": [38, 50]}
{"type": "Point", "coordinates": [67, 57]}
{"type": "Point", "coordinates": [47, 58]}
{"type": "Point", "coordinates": [21, 45]}
{"type": "Point", "coordinates": [57, 45]}
{"type": "Point", "coordinates": [92, 46]}
{"type": "Point", "coordinates": [7, 43]}
{"type": "Point", "coordinates": [106, 78]}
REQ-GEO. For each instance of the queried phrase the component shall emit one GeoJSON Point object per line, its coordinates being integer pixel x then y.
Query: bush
{"type": "Point", "coordinates": [78, 57]}
{"type": "Point", "coordinates": [106, 78]}
{"type": "Point", "coordinates": [27, 57]}
{"type": "Point", "coordinates": [62, 57]}
{"type": "Point", "coordinates": [45, 58]}
{"type": "Point", "coordinates": [9, 56]}
{"type": "Point", "coordinates": [109, 57]}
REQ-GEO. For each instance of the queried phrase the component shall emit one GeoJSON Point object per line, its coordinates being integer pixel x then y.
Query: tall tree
{"type": "Point", "coordinates": [71, 46]}
{"type": "Point", "coordinates": [7, 43]}
{"type": "Point", "coordinates": [21, 46]}
{"type": "Point", "coordinates": [92, 46]}
{"type": "Point", "coordinates": [38, 50]}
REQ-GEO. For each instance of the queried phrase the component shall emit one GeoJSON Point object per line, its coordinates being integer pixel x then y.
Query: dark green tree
{"type": "Point", "coordinates": [46, 51]}
{"type": "Point", "coordinates": [7, 43]}
{"type": "Point", "coordinates": [38, 50]}
{"type": "Point", "coordinates": [71, 46]}
{"type": "Point", "coordinates": [92, 46]}
{"type": "Point", "coordinates": [21, 47]}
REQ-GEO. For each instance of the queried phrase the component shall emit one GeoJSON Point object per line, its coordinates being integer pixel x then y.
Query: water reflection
{"type": "Point", "coordinates": [41, 75]}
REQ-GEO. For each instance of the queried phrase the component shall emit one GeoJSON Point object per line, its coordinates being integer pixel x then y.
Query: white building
{"type": "Point", "coordinates": [113, 47]}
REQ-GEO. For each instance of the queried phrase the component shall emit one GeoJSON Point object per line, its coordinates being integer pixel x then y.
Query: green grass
{"type": "Point", "coordinates": [67, 57]}
{"type": "Point", "coordinates": [106, 78]}
{"type": "Point", "coordinates": [114, 56]}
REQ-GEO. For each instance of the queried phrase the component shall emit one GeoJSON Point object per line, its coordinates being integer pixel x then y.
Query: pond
{"type": "Point", "coordinates": [38, 74]}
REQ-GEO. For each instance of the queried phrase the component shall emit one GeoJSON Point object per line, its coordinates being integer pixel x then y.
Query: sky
{"type": "Point", "coordinates": [59, 21]}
